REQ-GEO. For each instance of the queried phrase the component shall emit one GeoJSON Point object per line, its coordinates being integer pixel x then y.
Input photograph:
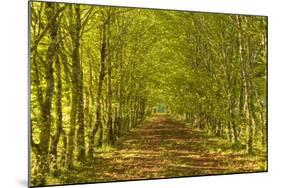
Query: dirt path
{"type": "Point", "coordinates": [163, 148]}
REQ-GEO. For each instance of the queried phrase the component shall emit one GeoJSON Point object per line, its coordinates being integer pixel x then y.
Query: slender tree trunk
{"type": "Point", "coordinates": [93, 129]}
{"type": "Point", "coordinates": [103, 53]}
{"type": "Point", "coordinates": [46, 103]}
{"type": "Point", "coordinates": [252, 116]}
{"type": "Point", "coordinates": [229, 130]}
{"type": "Point", "coordinates": [234, 128]}
{"type": "Point", "coordinates": [64, 149]}
{"type": "Point", "coordinates": [107, 130]}
{"type": "Point", "coordinates": [75, 85]}
{"type": "Point", "coordinates": [120, 95]}
{"type": "Point", "coordinates": [244, 96]}
{"type": "Point", "coordinates": [56, 137]}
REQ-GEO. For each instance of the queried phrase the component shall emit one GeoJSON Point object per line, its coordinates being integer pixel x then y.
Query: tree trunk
{"type": "Point", "coordinates": [93, 129]}
{"type": "Point", "coordinates": [80, 92]}
{"type": "Point", "coordinates": [45, 110]}
{"type": "Point", "coordinates": [107, 130]}
{"type": "Point", "coordinates": [245, 89]}
{"type": "Point", "coordinates": [56, 137]}
{"type": "Point", "coordinates": [98, 123]}
{"type": "Point", "coordinates": [75, 84]}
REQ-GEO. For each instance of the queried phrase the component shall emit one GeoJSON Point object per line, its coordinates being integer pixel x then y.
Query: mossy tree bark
{"type": "Point", "coordinates": [77, 117]}
{"type": "Point", "coordinates": [46, 99]}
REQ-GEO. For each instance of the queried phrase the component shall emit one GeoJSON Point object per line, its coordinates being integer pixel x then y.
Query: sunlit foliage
{"type": "Point", "coordinates": [98, 72]}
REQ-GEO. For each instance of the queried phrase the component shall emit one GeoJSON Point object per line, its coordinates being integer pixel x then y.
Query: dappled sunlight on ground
{"type": "Point", "coordinates": [163, 148]}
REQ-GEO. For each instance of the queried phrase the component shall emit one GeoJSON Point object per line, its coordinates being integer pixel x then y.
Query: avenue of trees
{"type": "Point", "coordinates": [96, 72]}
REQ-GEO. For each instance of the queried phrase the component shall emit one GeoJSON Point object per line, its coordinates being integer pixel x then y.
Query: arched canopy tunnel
{"type": "Point", "coordinates": [125, 93]}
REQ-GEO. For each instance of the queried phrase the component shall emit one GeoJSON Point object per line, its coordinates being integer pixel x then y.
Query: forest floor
{"type": "Point", "coordinates": [161, 148]}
